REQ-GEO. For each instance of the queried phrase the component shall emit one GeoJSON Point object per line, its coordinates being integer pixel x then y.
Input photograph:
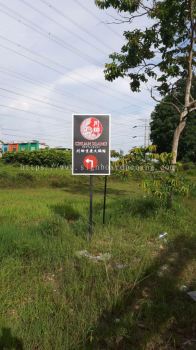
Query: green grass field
{"type": "Point", "coordinates": [53, 298]}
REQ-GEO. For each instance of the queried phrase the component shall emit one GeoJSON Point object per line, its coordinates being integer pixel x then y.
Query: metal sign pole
{"type": "Point", "coordinates": [104, 200]}
{"type": "Point", "coordinates": [90, 230]}
{"type": "Point", "coordinates": [91, 153]}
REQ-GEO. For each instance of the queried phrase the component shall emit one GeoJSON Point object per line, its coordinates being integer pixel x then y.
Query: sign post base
{"type": "Point", "coordinates": [90, 228]}
{"type": "Point", "coordinates": [104, 200]}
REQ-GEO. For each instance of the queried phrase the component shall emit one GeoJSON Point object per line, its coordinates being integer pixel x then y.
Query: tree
{"type": "Point", "coordinates": [164, 122]}
{"type": "Point", "coordinates": [165, 51]}
{"type": "Point", "coordinates": [114, 154]}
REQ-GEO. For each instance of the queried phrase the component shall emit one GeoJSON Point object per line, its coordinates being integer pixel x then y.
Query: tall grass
{"type": "Point", "coordinates": [53, 298]}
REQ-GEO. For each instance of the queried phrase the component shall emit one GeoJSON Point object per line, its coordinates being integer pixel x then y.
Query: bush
{"type": "Point", "coordinates": [164, 186]}
{"type": "Point", "coordinates": [47, 158]}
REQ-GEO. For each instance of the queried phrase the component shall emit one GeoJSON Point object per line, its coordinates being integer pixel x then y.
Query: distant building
{"type": "Point", "coordinates": [13, 147]}
{"type": "Point", "coordinates": [5, 147]}
{"type": "Point", "coordinates": [29, 146]}
{"type": "Point", "coordinates": [33, 145]}
{"type": "Point", "coordinates": [1, 148]}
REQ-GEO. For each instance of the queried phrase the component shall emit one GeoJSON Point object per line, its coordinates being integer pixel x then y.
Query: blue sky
{"type": "Point", "coordinates": [52, 61]}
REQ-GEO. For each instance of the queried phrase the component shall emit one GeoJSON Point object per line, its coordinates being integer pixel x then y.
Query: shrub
{"type": "Point", "coordinates": [165, 185]}
{"type": "Point", "coordinates": [47, 158]}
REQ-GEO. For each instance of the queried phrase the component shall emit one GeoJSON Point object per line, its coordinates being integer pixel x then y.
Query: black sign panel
{"type": "Point", "coordinates": [91, 144]}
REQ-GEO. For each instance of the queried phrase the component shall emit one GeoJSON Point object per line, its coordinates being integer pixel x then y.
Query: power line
{"type": "Point", "coordinates": [37, 133]}
{"type": "Point", "coordinates": [100, 90]}
{"type": "Point", "coordinates": [62, 14]}
{"type": "Point", "coordinates": [62, 110]}
{"type": "Point", "coordinates": [86, 9]}
{"type": "Point", "coordinates": [47, 66]}
{"type": "Point", "coordinates": [36, 82]}
{"type": "Point", "coordinates": [33, 135]}
{"type": "Point", "coordinates": [38, 114]}
{"type": "Point", "coordinates": [58, 131]}
{"type": "Point", "coordinates": [74, 22]}
{"type": "Point", "coordinates": [25, 137]}
{"type": "Point", "coordinates": [114, 133]}
{"type": "Point", "coordinates": [35, 27]}
{"type": "Point", "coordinates": [62, 26]}
{"type": "Point", "coordinates": [66, 123]}
{"type": "Point", "coordinates": [66, 107]}
{"type": "Point", "coordinates": [114, 122]}
{"type": "Point", "coordinates": [33, 120]}
{"type": "Point", "coordinates": [32, 113]}
{"type": "Point", "coordinates": [126, 134]}
{"type": "Point", "coordinates": [130, 105]}
{"type": "Point", "coordinates": [21, 117]}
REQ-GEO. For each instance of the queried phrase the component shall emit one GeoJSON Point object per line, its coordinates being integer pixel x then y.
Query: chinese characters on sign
{"type": "Point", "coordinates": [91, 145]}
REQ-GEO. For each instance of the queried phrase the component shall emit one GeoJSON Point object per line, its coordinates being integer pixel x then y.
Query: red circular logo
{"type": "Point", "coordinates": [90, 162]}
{"type": "Point", "coordinates": [91, 128]}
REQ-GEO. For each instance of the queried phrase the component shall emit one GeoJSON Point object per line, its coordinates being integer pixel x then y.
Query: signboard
{"type": "Point", "coordinates": [91, 144]}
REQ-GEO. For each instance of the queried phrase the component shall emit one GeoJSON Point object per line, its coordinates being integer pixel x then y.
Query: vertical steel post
{"type": "Point", "coordinates": [145, 134]}
{"type": "Point", "coordinates": [104, 200]}
{"type": "Point", "coordinates": [90, 230]}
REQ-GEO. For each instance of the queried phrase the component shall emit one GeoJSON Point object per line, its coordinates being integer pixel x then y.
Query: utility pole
{"type": "Point", "coordinates": [145, 133]}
